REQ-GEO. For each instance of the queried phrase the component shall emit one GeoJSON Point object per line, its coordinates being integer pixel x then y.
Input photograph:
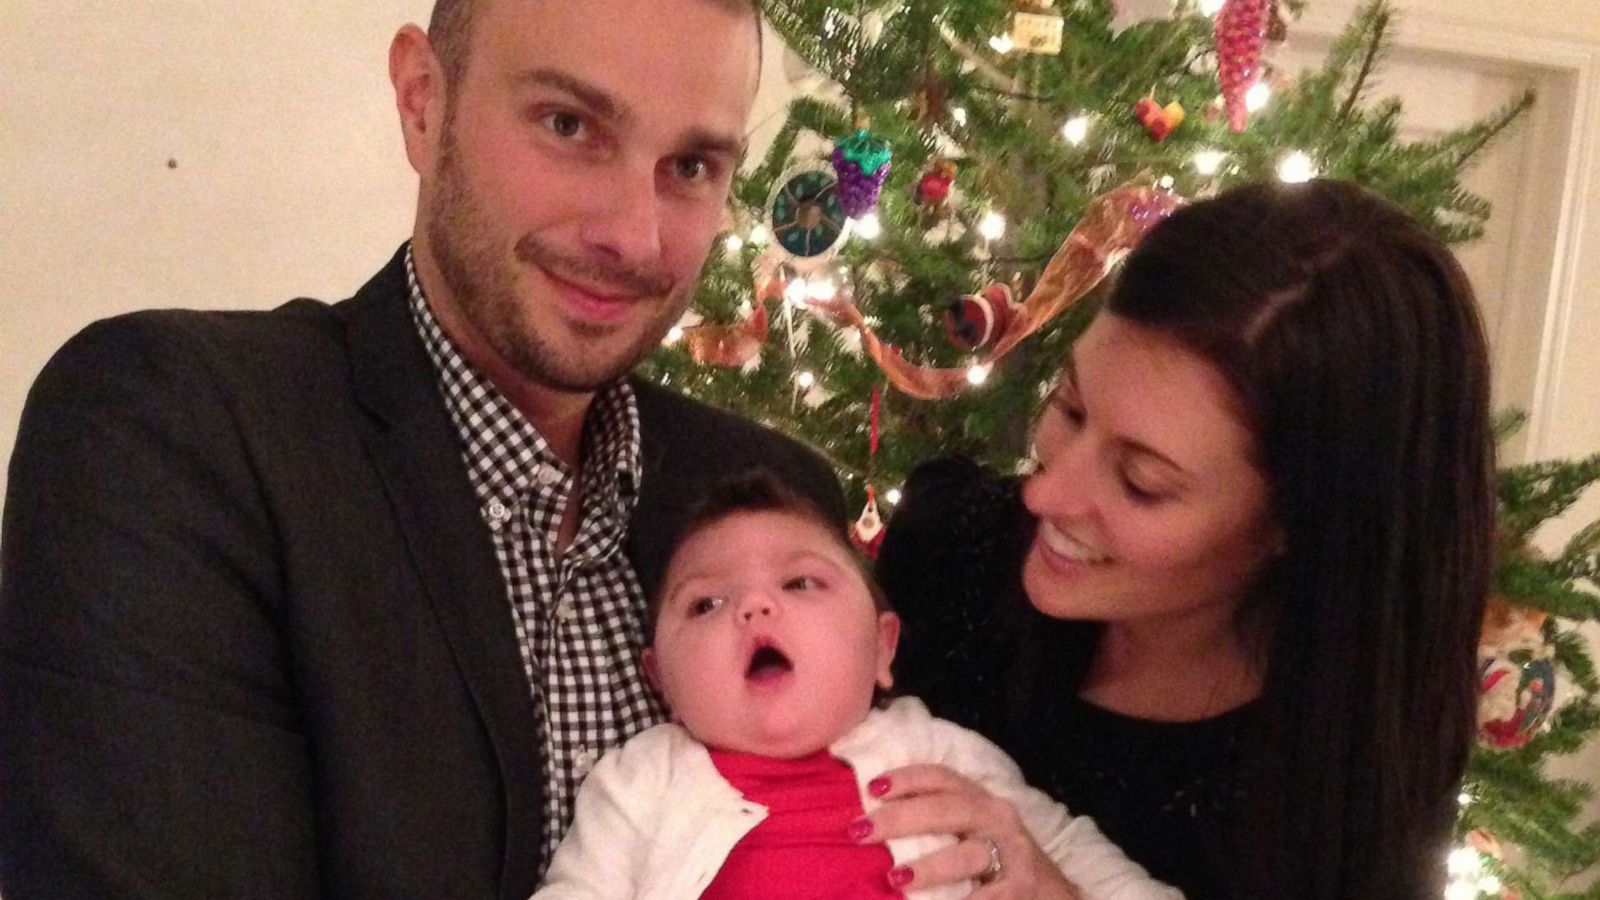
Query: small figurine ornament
{"type": "Point", "coordinates": [1036, 27]}
{"type": "Point", "coordinates": [933, 188]}
{"type": "Point", "coordinates": [1516, 676]}
{"type": "Point", "coordinates": [867, 532]}
{"type": "Point", "coordinates": [1159, 120]}
{"type": "Point", "coordinates": [975, 321]}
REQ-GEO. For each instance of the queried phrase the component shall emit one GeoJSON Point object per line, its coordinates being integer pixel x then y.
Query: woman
{"type": "Point", "coordinates": [1233, 614]}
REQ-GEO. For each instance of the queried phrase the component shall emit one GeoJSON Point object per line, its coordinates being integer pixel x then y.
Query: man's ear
{"type": "Point", "coordinates": [888, 640]}
{"type": "Point", "coordinates": [419, 96]}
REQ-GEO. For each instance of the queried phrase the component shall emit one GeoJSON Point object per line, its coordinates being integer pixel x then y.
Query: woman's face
{"type": "Point", "coordinates": [1148, 500]}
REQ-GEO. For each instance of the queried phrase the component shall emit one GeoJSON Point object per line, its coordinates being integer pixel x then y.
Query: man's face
{"type": "Point", "coordinates": [580, 176]}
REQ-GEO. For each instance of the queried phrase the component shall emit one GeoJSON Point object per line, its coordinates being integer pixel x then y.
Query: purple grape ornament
{"type": "Point", "coordinates": [862, 164]}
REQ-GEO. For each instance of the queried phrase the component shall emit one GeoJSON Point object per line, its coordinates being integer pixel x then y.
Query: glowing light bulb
{"type": "Point", "coordinates": [805, 380]}
{"type": "Point", "coordinates": [1463, 862]}
{"type": "Point", "coordinates": [1210, 7]}
{"type": "Point", "coordinates": [977, 374]}
{"type": "Point", "coordinates": [959, 113]}
{"type": "Point", "coordinates": [1461, 890]}
{"type": "Point", "coordinates": [1165, 182]}
{"type": "Point", "coordinates": [1296, 168]}
{"type": "Point", "coordinates": [1489, 884]}
{"type": "Point", "coordinates": [1076, 130]}
{"type": "Point", "coordinates": [892, 495]}
{"type": "Point", "coordinates": [758, 235]}
{"type": "Point", "coordinates": [992, 226]}
{"type": "Point", "coordinates": [674, 334]}
{"type": "Point", "coordinates": [822, 289]}
{"type": "Point", "coordinates": [1464, 798]}
{"type": "Point", "coordinates": [1259, 95]}
{"type": "Point", "coordinates": [1209, 162]}
{"type": "Point", "coordinates": [1001, 43]}
{"type": "Point", "coordinates": [868, 227]}
{"type": "Point", "coordinates": [796, 291]}
{"type": "Point", "coordinates": [734, 243]}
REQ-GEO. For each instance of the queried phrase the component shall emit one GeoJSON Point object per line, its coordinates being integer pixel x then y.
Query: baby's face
{"type": "Point", "coordinates": [767, 641]}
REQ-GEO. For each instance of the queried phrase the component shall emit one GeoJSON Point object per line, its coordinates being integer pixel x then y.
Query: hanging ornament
{"type": "Point", "coordinates": [1036, 27]}
{"type": "Point", "coordinates": [1516, 676]}
{"type": "Point", "coordinates": [1240, 30]}
{"type": "Point", "coordinates": [975, 321]}
{"type": "Point", "coordinates": [867, 532]}
{"type": "Point", "coordinates": [1159, 120]}
{"type": "Point", "coordinates": [1113, 224]}
{"type": "Point", "coordinates": [806, 217]}
{"type": "Point", "coordinates": [862, 164]}
{"type": "Point", "coordinates": [933, 189]}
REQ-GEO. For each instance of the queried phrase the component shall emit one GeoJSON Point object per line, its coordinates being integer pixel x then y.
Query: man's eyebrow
{"type": "Point", "coordinates": [598, 100]}
{"type": "Point", "coordinates": [701, 140]}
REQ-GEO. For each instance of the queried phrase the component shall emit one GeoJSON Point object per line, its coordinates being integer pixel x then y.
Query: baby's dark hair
{"type": "Point", "coordinates": [754, 491]}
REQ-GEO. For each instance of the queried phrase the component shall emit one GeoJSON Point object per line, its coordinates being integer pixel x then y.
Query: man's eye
{"type": "Point", "coordinates": [700, 606]}
{"type": "Point", "coordinates": [565, 124]}
{"type": "Point", "coordinates": [692, 168]}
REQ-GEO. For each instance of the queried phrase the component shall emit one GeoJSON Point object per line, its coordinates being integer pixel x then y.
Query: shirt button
{"type": "Point", "coordinates": [565, 611]}
{"type": "Point", "coordinates": [497, 513]}
{"type": "Point", "coordinates": [549, 476]}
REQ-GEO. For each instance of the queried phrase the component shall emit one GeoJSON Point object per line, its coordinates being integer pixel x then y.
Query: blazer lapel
{"type": "Point", "coordinates": [416, 452]}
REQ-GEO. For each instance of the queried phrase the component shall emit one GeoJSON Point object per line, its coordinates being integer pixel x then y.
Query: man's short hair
{"type": "Point", "coordinates": [450, 31]}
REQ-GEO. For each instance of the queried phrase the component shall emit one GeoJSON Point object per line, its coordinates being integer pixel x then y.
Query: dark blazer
{"type": "Point", "coordinates": [253, 637]}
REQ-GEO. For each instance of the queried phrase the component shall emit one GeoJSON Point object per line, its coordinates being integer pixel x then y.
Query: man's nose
{"type": "Point", "coordinates": [626, 224]}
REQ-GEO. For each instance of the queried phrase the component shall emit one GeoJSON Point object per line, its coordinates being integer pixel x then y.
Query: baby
{"type": "Point", "coordinates": [769, 644]}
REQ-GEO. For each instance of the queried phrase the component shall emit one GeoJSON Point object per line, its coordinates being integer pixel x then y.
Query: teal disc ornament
{"type": "Point", "coordinates": [806, 217]}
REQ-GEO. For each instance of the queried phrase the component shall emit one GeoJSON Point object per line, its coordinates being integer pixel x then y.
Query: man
{"type": "Point", "coordinates": [344, 600]}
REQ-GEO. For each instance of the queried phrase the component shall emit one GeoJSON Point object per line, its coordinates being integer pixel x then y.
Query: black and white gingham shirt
{"type": "Point", "coordinates": [578, 615]}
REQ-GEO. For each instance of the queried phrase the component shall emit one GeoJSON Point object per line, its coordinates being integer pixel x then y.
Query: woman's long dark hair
{"type": "Point", "coordinates": [1352, 338]}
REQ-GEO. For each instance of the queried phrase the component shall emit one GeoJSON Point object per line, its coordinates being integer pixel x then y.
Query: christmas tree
{"type": "Point", "coordinates": [874, 293]}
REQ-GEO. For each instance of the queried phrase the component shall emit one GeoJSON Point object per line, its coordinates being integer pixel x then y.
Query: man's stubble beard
{"type": "Point", "coordinates": [484, 286]}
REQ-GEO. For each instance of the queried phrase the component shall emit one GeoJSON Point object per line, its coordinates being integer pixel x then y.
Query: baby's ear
{"type": "Point", "coordinates": [647, 662]}
{"type": "Point", "coordinates": [888, 639]}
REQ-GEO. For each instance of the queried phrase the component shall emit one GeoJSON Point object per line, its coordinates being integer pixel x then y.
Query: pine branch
{"type": "Point", "coordinates": [1375, 45]}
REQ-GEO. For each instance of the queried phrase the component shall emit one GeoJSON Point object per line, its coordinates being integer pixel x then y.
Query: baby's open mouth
{"type": "Point", "coordinates": [768, 662]}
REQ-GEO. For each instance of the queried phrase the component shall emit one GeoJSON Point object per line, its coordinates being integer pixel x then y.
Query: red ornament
{"type": "Point", "coordinates": [974, 321]}
{"type": "Point", "coordinates": [1240, 31]}
{"type": "Point", "coordinates": [933, 188]}
{"type": "Point", "coordinates": [1160, 120]}
{"type": "Point", "coordinates": [867, 532]}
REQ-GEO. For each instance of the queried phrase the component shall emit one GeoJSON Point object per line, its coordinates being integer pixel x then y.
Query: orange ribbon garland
{"type": "Point", "coordinates": [1112, 225]}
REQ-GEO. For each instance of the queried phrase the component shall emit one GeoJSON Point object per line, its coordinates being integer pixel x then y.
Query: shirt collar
{"type": "Point", "coordinates": [504, 451]}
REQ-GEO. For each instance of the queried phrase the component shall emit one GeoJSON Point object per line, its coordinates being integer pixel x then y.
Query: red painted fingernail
{"type": "Point", "coordinates": [859, 830]}
{"type": "Point", "coordinates": [879, 786]}
{"type": "Point", "coordinates": [900, 876]}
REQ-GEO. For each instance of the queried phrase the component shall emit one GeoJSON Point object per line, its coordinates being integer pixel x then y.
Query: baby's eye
{"type": "Point", "coordinates": [700, 606]}
{"type": "Point", "coordinates": [802, 583]}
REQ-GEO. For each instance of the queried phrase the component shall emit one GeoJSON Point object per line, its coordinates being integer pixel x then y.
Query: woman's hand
{"type": "Point", "coordinates": [992, 848]}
